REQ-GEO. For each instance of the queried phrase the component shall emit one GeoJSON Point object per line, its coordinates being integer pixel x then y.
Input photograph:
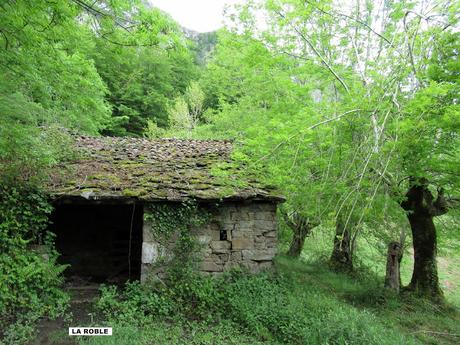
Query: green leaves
{"type": "Point", "coordinates": [29, 282]}
{"type": "Point", "coordinates": [396, 117]}
{"type": "Point", "coordinates": [90, 67]}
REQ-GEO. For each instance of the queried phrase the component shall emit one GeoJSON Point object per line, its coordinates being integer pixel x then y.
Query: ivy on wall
{"type": "Point", "coordinates": [173, 223]}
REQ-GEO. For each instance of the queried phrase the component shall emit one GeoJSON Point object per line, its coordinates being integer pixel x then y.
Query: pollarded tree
{"type": "Point", "coordinates": [301, 228]}
{"type": "Point", "coordinates": [364, 70]}
{"type": "Point", "coordinates": [428, 151]}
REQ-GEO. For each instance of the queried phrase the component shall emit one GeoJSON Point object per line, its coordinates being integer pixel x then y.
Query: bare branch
{"type": "Point", "coordinates": [354, 19]}
{"type": "Point", "coordinates": [323, 60]}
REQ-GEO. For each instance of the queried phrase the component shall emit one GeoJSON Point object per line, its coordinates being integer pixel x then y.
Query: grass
{"type": "Point", "coordinates": [304, 303]}
{"type": "Point", "coordinates": [417, 319]}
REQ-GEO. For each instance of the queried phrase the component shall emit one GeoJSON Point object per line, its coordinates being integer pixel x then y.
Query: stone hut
{"type": "Point", "coordinates": [103, 197]}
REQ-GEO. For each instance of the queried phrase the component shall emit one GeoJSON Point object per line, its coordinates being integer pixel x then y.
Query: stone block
{"type": "Point", "coordinates": [271, 241]}
{"type": "Point", "coordinates": [241, 233]}
{"type": "Point", "coordinates": [264, 215]}
{"type": "Point", "coordinates": [206, 251]}
{"type": "Point", "coordinates": [147, 235]}
{"type": "Point", "coordinates": [215, 225]}
{"type": "Point", "coordinates": [268, 207]}
{"type": "Point", "coordinates": [252, 267]}
{"type": "Point", "coordinates": [215, 234]}
{"type": "Point", "coordinates": [244, 225]}
{"type": "Point", "coordinates": [242, 243]}
{"type": "Point", "coordinates": [221, 257]}
{"type": "Point", "coordinates": [239, 216]}
{"type": "Point", "coordinates": [228, 226]}
{"type": "Point", "coordinates": [204, 239]}
{"type": "Point", "coordinates": [264, 265]}
{"type": "Point", "coordinates": [259, 239]}
{"type": "Point", "coordinates": [270, 234]}
{"type": "Point", "coordinates": [220, 246]}
{"type": "Point", "coordinates": [151, 252]}
{"type": "Point", "coordinates": [232, 264]}
{"type": "Point", "coordinates": [260, 245]}
{"type": "Point", "coordinates": [236, 256]}
{"type": "Point", "coordinates": [259, 255]}
{"type": "Point", "coordinates": [266, 225]}
{"type": "Point", "coordinates": [210, 266]}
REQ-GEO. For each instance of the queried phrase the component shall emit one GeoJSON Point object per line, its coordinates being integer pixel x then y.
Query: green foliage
{"type": "Point", "coordinates": [338, 124]}
{"type": "Point", "coordinates": [187, 111]}
{"type": "Point", "coordinates": [297, 306]}
{"type": "Point", "coordinates": [190, 333]}
{"type": "Point", "coordinates": [175, 221]}
{"type": "Point", "coordinates": [153, 131]}
{"type": "Point", "coordinates": [30, 280]}
{"type": "Point", "coordinates": [136, 305]}
{"type": "Point", "coordinates": [146, 81]}
{"type": "Point", "coordinates": [145, 69]}
{"type": "Point", "coordinates": [46, 80]}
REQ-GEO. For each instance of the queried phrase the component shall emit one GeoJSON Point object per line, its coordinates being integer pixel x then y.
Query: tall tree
{"type": "Point", "coordinates": [337, 104]}
{"type": "Point", "coordinates": [145, 68]}
{"type": "Point", "coordinates": [47, 79]}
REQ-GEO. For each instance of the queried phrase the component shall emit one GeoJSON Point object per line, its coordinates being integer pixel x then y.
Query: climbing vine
{"type": "Point", "coordinates": [173, 223]}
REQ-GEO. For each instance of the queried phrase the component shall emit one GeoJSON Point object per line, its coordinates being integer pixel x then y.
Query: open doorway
{"type": "Point", "coordinates": [102, 243]}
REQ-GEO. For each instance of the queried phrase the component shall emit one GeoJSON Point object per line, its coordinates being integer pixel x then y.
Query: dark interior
{"type": "Point", "coordinates": [94, 239]}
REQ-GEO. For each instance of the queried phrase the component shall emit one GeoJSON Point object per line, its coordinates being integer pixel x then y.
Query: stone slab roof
{"type": "Point", "coordinates": [164, 169]}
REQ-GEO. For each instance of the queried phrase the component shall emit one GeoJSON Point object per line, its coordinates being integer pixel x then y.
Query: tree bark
{"type": "Point", "coordinates": [425, 275]}
{"type": "Point", "coordinates": [341, 258]}
{"type": "Point", "coordinates": [393, 277]}
{"type": "Point", "coordinates": [301, 228]}
{"type": "Point", "coordinates": [298, 240]}
{"type": "Point", "coordinates": [421, 209]}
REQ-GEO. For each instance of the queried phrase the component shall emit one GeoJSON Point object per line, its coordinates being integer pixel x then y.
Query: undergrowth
{"type": "Point", "coordinates": [298, 303]}
{"type": "Point", "coordinates": [30, 281]}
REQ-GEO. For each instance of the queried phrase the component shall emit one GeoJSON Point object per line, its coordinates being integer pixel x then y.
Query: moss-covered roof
{"type": "Point", "coordinates": [164, 169]}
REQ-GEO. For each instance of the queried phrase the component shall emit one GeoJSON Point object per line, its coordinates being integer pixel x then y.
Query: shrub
{"type": "Point", "coordinates": [268, 306]}
{"type": "Point", "coordinates": [136, 304]}
{"type": "Point", "coordinates": [30, 281]}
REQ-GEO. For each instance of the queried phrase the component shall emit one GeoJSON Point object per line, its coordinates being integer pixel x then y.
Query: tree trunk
{"type": "Point", "coordinates": [301, 227]}
{"type": "Point", "coordinates": [393, 277]}
{"type": "Point", "coordinates": [341, 258]}
{"type": "Point", "coordinates": [425, 275]}
{"type": "Point", "coordinates": [298, 241]}
{"type": "Point", "coordinates": [422, 209]}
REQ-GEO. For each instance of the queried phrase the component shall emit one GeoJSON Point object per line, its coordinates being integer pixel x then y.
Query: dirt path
{"type": "Point", "coordinates": [55, 332]}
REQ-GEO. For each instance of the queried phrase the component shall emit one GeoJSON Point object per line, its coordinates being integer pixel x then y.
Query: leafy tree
{"type": "Point", "coordinates": [428, 151]}
{"type": "Point", "coordinates": [331, 101]}
{"type": "Point", "coordinates": [144, 69]}
{"type": "Point", "coordinates": [187, 109]}
{"type": "Point", "coordinates": [46, 79]}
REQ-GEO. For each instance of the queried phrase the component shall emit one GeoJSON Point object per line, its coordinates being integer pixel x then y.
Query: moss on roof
{"type": "Point", "coordinates": [164, 169]}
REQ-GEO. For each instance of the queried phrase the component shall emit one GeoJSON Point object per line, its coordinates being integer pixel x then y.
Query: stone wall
{"type": "Point", "coordinates": [238, 234]}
